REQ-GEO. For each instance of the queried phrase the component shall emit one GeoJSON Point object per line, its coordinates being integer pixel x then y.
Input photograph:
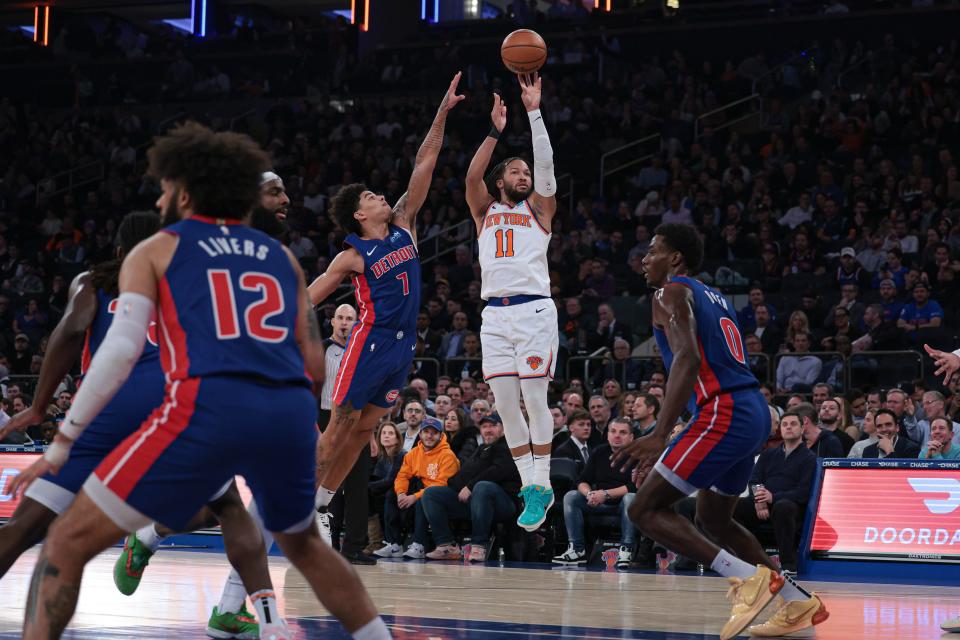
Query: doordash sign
{"type": "Point", "coordinates": [11, 464]}
{"type": "Point", "coordinates": [881, 513]}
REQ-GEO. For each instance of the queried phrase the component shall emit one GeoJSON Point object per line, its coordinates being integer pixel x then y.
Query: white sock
{"type": "Point", "coordinates": [234, 594]}
{"type": "Point", "coordinates": [376, 629]}
{"type": "Point", "coordinates": [324, 497]}
{"type": "Point", "coordinates": [792, 591]}
{"type": "Point", "coordinates": [541, 470]}
{"type": "Point", "coordinates": [730, 566]}
{"type": "Point", "coordinates": [149, 538]}
{"type": "Point", "coordinates": [524, 464]}
{"type": "Point", "coordinates": [265, 602]}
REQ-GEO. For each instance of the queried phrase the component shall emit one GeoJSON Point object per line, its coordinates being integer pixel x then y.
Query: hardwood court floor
{"type": "Point", "coordinates": [452, 601]}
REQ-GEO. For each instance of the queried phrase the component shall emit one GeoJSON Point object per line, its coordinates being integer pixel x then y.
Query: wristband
{"type": "Point", "coordinates": [57, 453]}
{"type": "Point", "coordinates": [493, 133]}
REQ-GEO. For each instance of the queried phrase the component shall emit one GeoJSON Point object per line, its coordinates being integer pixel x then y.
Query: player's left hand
{"type": "Point", "coordinates": [644, 451]}
{"type": "Point", "coordinates": [451, 99]}
{"type": "Point", "coordinates": [530, 90]}
{"type": "Point", "coordinates": [26, 477]}
{"type": "Point", "coordinates": [946, 363]}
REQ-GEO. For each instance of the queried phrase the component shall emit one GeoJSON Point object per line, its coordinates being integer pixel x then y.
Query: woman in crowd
{"type": "Point", "coordinates": [798, 324]}
{"type": "Point", "coordinates": [461, 435]}
{"type": "Point", "coordinates": [389, 458]}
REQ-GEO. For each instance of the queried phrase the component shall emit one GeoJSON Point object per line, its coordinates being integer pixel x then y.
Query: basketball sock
{"type": "Point", "coordinates": [541, 470]}
{"type": "Point", "coordinates": [792, 591]}
{"type": "Point", "coordinates": [324, 497]}
{"type": "Point", "coordinates": [234, 594]}
{"type": "Point", "coordinates": [730, 566]}
{"type": "Point", "coordinates": [149, 538]}
{"type": "Point", "coordinates": [265, 602]}
{"type": "Point", "coordinates": [524, 464]}
{"type": "Point", "coordinates": [376, 629]}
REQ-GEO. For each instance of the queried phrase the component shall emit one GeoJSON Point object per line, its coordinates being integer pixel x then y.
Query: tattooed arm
{"type": "Point", "coordinates": [405, 211]}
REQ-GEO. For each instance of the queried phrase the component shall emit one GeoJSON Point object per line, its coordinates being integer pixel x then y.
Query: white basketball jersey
{"type": "Point", "coordinates": [513, 253]}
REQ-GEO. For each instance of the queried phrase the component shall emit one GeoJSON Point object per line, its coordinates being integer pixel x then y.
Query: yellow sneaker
{"type": "Point", "coordinates": [792, 616]}
{"type": "Point", "coordinates": [749, 597]}
{"type": "Point", "coordinates": [952, 625]}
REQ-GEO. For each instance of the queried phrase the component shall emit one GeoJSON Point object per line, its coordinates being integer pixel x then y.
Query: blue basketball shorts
{"type": "Point", "coordinates": [717, 449]}
{"type": "Point", "coordinates": [375, 367]}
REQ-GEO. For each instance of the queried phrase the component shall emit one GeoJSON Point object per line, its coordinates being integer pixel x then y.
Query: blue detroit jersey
{"type": "Point", "coordinates": [228, 304]}
{"type": "Point", "coordinates": [388, 290]}
{"type": "Point", "coordinates": [723, 363]}
{"type": "Point", "coordinates": [106, 307]}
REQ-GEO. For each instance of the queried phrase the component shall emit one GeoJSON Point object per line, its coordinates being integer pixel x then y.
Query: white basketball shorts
{"type": "Point", "coordinates": [520, 340]}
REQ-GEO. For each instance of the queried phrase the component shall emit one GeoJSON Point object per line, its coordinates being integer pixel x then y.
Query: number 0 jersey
{"type": "Point", "coordinates": [228, 304]}
{"type": "Point", "coordinates": [723, 363]}
{"type": "Point", "coordinates": [513, 253]}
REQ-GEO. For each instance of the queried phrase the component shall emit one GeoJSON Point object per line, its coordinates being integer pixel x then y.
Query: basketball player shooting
{"type": "Point", "coordinates": [703, 350]}
{"type": "Point", "coordinates": [381, 259]}
{"type": "Point", "coordinates": [513, 211]}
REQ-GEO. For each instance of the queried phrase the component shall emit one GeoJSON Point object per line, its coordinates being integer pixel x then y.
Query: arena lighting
{"type": "Point", "coordinates": [366, 15]}
{"type": "Point", "coordinates": [596, 4]}
{"type": "Point", "coordinates": [353, 11]}
{"type": "Point", "coordinates": [36, 23]}
{"type": "Point", "coordinates": [46, 25]}
{"type": "Point", "coordinates": [200, 28]}
{"type": "Point", "coordinates": [423, 9]}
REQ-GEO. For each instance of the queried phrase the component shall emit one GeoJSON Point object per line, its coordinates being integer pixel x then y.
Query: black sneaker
{"type": "Point", "coordinates": [358, 557]}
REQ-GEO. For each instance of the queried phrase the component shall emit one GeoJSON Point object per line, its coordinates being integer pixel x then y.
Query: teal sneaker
{"type": "Point", "coordinates": [239, 625]}
{"type": "Point", "coordinates": [128, 569]}
{"type": "Point", "coordinates": [537, 500]}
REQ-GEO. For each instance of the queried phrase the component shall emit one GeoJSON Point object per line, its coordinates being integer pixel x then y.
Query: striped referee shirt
{"type": "Point", "coordinates": [332, 357]}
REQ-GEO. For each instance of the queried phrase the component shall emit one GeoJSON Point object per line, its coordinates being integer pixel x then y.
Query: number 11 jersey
{"type": "Point", "coordinates": [228, 305]}
{"type": "Point", "coordinates": [513, 253]}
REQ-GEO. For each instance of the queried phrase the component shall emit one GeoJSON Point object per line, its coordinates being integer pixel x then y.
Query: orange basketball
{"type": "Point", "coordinates": [523, 51]}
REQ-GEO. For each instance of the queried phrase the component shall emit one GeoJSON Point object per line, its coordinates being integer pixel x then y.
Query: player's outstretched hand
{"type": "Point", "coordinates": [947, 363]}
{"type": "Point", "coordinates": [643, 451]}
{"type": "Point", "coordinates": [499, 113]}
{"type": "Point", "coordinates": [26, 477]}
{"type": "Point", "coordinates": [530, 90]}
{"type": "Point", "coordinates": [26, 418]}
{"type": "Point", "coordinates": [450, 98]}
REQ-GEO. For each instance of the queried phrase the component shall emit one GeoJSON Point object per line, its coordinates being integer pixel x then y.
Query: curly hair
{"type": "Point", "coordinates": [345, 204]}
{"type": "Point", "coordinates": [685, 239]}
{"type": "Point", "coordinates": [135, 227]}
{"type": "Point", "coordinates": [496, 174]}
{"type": "Point", "coordinates": [221, 171]}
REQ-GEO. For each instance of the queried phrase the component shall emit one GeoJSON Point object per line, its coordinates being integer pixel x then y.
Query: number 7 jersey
{"type": "Point", "coordinates": [228, 304]}
{"type": "Point", "coordinates": [723, 362]}
{"type": "Point", "coordinates": [513, 253]}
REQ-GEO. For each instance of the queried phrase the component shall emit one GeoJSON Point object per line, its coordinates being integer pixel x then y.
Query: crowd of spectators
{"type": "Point", "coordinates": [832, 219]}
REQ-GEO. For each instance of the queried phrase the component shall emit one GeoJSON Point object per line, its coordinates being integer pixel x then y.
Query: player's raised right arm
{"type": "Point", "coordinates": [478, 198]}
{"type": "Point", "coordinates": [65, 346]}
{"type": "Point", "coordinates": [346, 263]}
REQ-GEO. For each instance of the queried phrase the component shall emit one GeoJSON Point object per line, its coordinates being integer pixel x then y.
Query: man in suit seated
{"type": "Point", "coordinates": [770, 336]}
{"type": "Point", "coordinates": [608, 329]}
{"type": "Point", "coordinates": [576, 447]}
{"type": "Point", "coordinates": [890, 444]}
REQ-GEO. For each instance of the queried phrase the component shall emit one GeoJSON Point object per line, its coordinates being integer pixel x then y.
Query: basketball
{"type": "Point", "coordinates": [523, 51]}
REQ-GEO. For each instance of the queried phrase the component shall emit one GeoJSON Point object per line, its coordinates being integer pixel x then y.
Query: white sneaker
{"type": "Point", "coordinates": [389, 550]}
{"type": "Point", "coordinates": [275, 631]}
{"type": "Point", "coordinates": [323, 523]}
{"type": "Point", "coordinates": [624, 557]}
{"type": "Point", "coordinates": [571, 556]}
{"type": "Point", "coordinates": [415, 552]}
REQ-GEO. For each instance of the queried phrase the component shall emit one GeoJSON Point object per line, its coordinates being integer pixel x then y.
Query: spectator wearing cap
{"type": "Point", "coordinates": [747, 315]}
{"type": "Point", "coordinates": [922, 313]}
{"type": "Point", "coordinates": [798, 372]}
{"type": "Point", "coordinates": [429, 464]}
{"type": "Point", "coordinates": [786, 474]}
{"type": "Point", "coordinates": [941, 443]}
{"type": "Point", "coordinates": [849, 270]}
{"type": "Point", "coordinates": [22, 355]}
{"type": "Point", "coordinates": [890, 444]}
{"type": "Point", "coordinates": [602, 489]}
{"type": "Point", "coordinates": [892, 269]}
{"type": "Point", "coordinates": [481, 492]}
